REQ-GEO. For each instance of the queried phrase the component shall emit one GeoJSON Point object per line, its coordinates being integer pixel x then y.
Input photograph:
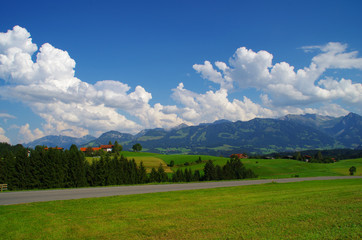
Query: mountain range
{"type": "Point", "coordinates": [59, 141]}
{"type": "Point", "coordinates": [257, 136]}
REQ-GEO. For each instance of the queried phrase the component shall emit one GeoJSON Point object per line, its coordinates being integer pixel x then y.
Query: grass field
{"type": "Point", "coordinates": [304, 210]}
{"type": "Point", "coordinates": [282, 168]}
{"type": "Point", "coordinates": [264, 168]}
{"type": "Point", "coordinates": [179, 159]}
{"type": "Point", "coordinates": [152, 162]}
{"type": "Point", "coordinates": [279, 168]}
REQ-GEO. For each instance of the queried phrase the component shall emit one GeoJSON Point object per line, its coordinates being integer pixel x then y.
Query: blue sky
{"type": "Point", "coordinates": [86, 67]}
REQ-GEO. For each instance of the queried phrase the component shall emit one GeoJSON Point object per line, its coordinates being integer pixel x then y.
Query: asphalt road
{"type": "Point", "coordinates": [9, 198]}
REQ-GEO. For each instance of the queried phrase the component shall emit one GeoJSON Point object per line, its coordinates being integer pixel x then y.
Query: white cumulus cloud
{"type": "Point", "coordinates": [285, 86]}
{"type": "Point", "coordinates": [27, 135]}
{"type": "Point", "coordinates": [68, 105]}
{"type": "Point", "coordinates": [3, 138]}
{"type": "Point", "coordinates": [215, 105]}
{"type": "Point", "coordinates": [7, 116]}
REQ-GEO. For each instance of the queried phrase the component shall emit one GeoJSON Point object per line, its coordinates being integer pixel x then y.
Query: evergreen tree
{"type": "Point", "coordinates": [299, 157]}
{"type": "Point", "coordinates": [197, 176]}
{"type": "Point", "coordinates": [219, 172]}
{"type": "Point", "coordinates": [172, 163]}
{"type": "Point", "coordinates": [117, 148]}
{"type": "Point", "coordinates": [21, 166]}
{"type": "Point", "coordinates": [76, 168]}
{"type": "Point", "coordinates": [188, 175]}
{"type": "Point", "coordinates": [132, 171]}
{"type": "Point", "coordinates": [153, 175]}
{"type": "Point", "coordinates": [161, 174]}
{"type": "Point", "coordinates": [91, 173]}
{"type": "Point", "coordinates": [107, 171]}
{"type": "Point", "coordinates": [178, 176]}
{"type": "Point", "coordinates": [319, 156]}
{"type": "Point", "coordinates": [209, 171]}
{"type": "Point", "coordinates": [8, 170]}
{"type": "Point", "coordinates": [100, 173]}
{"type": "Point", "coordinates": [121, 170]}
{"type": "Point", "coordinates": [142, 174]}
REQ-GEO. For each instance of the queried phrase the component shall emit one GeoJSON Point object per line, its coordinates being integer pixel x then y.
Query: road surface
{"type": "Point", "coordinates": [8, 198]}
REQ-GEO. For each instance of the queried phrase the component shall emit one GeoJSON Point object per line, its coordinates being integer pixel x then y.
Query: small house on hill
{"type": "Point", "coordinates": [94, 149]}
{"type": "Point", "coordinates": [107, 148]}
{"type": "Point", "coordinates": [239, 155]}
{"type": "Point", "coordinates": [307, 158]}
{"type": "Point", "coordinates": [56, 148]}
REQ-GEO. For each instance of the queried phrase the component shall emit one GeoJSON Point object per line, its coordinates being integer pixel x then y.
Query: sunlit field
{"type": "Point", "coordinates": [304, 210]}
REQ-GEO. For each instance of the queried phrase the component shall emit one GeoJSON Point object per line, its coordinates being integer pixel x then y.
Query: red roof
{"type": "Point", "coordinates": [106, 146]}
{"type": "Point", "coordinates": [239, 155]}
{"type": "Point", "coordinates": [57, 148]}
{"type": "Point", "coordinates": [93, 149]}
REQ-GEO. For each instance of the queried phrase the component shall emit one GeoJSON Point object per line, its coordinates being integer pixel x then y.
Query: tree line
{"type": "Point", "coordinates": [318, 156]}
{"type": "Point", "coordinates": [44, 168]}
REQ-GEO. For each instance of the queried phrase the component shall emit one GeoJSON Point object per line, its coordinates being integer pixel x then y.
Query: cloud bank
{"type": "Point", "coordinates": [3, 138]}
{"type": "Point", "coordinates": [281, 84]}
{"type": "Point", "coordinates": [73, 107]}
{"type": "Point", "coordinates": [68, 105]}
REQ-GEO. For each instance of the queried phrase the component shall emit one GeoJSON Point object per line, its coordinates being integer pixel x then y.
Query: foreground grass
{"type": "Point", "coordinates": [304, 210]}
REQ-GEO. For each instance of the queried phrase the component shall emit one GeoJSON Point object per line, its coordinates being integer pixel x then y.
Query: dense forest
{"type": "Point", "coordinates": [43, 168]}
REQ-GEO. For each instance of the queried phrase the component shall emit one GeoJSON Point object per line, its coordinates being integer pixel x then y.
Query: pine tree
{"type": "Point", "coordinates": [188, 175]}
{"type": "Point", "coordinates": [153, 175]}
{"type": "Point", "coordinates": [178, 176]}
{"type": "Point", "coordinates": [117, 148]}
{"type": "Point", "coordinates": [209, 171]}
{"type": "Point", "coordinates": [299, 157]}
{"type": "Point", "coordinates": [219, 172]}
{"type": "Point", "coordinates": [142, 174]}
{"type": "Point", "coordinates": [161, 174]}
{"type": "Point", "coordinates": [197, 176]}
{"type": "Point", "coordinates": [319, 156]}
{"type": "Point", "coordinates": [75, 168]}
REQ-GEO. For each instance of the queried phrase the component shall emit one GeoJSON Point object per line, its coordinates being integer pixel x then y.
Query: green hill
{"type": "Point", "coordinates": [264, 168]}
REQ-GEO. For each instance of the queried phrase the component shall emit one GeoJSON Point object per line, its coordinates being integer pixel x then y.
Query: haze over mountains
{"type": "Point", "coordinates": [257, 136]}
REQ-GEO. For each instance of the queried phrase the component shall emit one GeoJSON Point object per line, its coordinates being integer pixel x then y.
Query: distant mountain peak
{"type": "Point", "coordinates": [59, 141]}
{"type": "Point", "coordinates": [182, 125]}
{"type": "Point", "coordinates": [352, 115]}
{"type": "Point", "coordinates": [224, 136]}
{"type": "Point", "coordinates": [221, 121]}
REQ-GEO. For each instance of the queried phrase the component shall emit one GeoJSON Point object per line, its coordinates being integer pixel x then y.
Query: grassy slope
{"type": "Point", "coordinates": [304, 210]}
{"type": "Point", "coordinates": [264, 168]}
{"type": "Point", "coordinates": [281, 168]}
{"type": "Point", "coordinates": [178, 159]}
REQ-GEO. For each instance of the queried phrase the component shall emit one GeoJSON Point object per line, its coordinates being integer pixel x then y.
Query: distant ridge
{"type": "Point", "coordinates": [257, 136]}
{"type": "Point", "coordinates": [59, 141]}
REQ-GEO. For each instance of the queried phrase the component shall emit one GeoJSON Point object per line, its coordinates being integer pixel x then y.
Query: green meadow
{"type": "Point", "coordinates": [304, 210]}
{"type": "Point", "coordinates": [264, 168]}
